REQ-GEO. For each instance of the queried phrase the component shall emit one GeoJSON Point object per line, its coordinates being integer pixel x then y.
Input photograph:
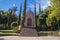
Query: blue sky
{"type": "Point", "coordinates": [6, 4]}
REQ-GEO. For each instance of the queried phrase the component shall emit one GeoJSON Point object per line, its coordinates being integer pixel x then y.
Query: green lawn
{"type": "Point", "coordinates": [8, 32]}
{"type": "Point", "coordinates": [48, 33]}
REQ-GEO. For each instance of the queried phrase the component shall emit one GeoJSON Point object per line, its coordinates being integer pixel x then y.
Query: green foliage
{"type": "Point", "coordinates": [51, 17]}
{"type": "Point", "coordinates": [52, 22]}
{"type": "Point", "coordinates": [56, 8]}
{"type": "Point", "coordinates": [19, 19]}
{"type": "Point", "coordinates": [14, 24]}
{"type": "Point", "coordinates": [35, 15]}
{"type": "Point", "coordinates": [48, 8]}
{"type": "Point", "coordinates": [38, 22]}
{"type": "Point", "coordinates": [54, 14]}
{"type": "Point", "coordinates": [48, 21]}
{"type": "Point", "coordinates": [2, 17]}
{"type": "Point", "coordinates": [7, 17]}
{"type": "Point", "coordinates": [55, 3]}
{"type": "Point", "coordinates": [8, 31]}
{"type": "Point", "coordinates": [47, 33]}
{"type": "Point", "coordinates": [24, 11]}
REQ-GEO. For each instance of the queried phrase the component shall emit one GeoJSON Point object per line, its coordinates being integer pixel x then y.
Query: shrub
{"type": "Point", "coordinates": [8, 31]}
{"type": "Point", "coordinates": [14, 25]}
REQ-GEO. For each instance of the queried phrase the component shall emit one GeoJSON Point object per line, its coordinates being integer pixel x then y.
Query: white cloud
{"type": "Point", "coordinates": [14, 4]}
{"type": "Point", "coordinates": [32, 7]}
{"type": "Point", "coordinates": [43, 3]}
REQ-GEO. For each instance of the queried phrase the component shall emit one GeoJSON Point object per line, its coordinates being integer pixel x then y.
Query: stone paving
{"type": "Point", "coordinates": [29, 38]}
{"type": "Point", "coordinates": [28, 32]}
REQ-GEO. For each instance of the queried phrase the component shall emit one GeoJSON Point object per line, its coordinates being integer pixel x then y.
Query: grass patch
{"type": "Point", "coordinates": [8, 34]}
{"type": "Point", "coordinates": [47, 33]}
{"type": "Point", "coordinates": [8, 31]}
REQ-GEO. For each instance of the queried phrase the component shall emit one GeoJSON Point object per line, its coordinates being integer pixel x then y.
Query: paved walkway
{"type": "Point", "coordinates": [29, 38]}
{"type": "Point", "coordinates": [28, 32]}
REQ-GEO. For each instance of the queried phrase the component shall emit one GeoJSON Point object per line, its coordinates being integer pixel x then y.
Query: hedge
{"type": "Point", "coordinates": [8, 31]}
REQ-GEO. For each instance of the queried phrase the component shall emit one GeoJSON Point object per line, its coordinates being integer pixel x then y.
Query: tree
{"type": "Point", "coordinates": [4, 19]}
{"type": "Point", "coordinates": [1, 16]}
{"type": "Point", "coordinates": [54, 13]}
{"type": "Point", "coordinates": [35, 14]}
{"type": "Point", "coordinates": [38, 22]}
{"type": "Point", "coordinates": [11, 16]}
{"type": "Point", "coordinates": [7, 17]}
{"type": "Point", "coordinates": [24, 12]}
{"type": "Point", "coordinates": [49, 8]}
{"type": "Point", "coordinates": [55, 4]}
{"type": "Point", "coordinates": [19, 19]}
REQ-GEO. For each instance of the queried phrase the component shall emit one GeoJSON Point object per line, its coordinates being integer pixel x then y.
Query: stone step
{"type": "Point", "coordinates": [28, 32]}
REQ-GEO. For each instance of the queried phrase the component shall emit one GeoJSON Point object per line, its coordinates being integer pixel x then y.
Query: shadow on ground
{"type": "Point", "coordinates": [2, 39]}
